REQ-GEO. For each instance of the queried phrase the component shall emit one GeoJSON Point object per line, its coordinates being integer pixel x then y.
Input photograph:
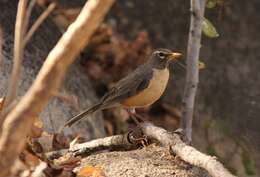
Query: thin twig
{"type": "Point", "coordinates": [38, 22]}
{"type": "Point", "coordinates": [19, 121]}
{"type": "Point", "coordinates": [18, 53]}
{"type": "Point", "coordinates": [192, 76]}
{"type": "Point", "coordinates": [28, 15]}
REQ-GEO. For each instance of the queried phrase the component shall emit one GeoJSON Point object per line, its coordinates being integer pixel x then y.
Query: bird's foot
{"type": "Point", "coordinates": [136, 137]}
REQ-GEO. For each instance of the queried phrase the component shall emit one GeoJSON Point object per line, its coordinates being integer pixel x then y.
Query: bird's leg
{"type": "Point", "coordinates": [140, 117]}
{"type": "Point", "coordinates": [135, 116]}
{"type": "Point", "coordinates": [132, 114]}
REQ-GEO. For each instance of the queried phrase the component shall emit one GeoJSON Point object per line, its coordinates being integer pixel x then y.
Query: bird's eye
{"type": "Point", "coordinates": [161, 55]}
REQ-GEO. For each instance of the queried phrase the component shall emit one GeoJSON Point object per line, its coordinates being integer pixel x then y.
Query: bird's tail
{"type": "Point", "coordinates": [82, 115]}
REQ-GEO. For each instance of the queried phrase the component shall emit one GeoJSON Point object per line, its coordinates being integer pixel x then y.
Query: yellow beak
{"type": "Point", "coordinates": [174, 56]}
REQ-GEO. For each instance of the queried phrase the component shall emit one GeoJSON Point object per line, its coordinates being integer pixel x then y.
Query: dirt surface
{"type": "Point", "coordinates": [152, 161]}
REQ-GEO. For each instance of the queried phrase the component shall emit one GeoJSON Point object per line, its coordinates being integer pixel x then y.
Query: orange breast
{"type": "Point", "coordinates": [152, 93]}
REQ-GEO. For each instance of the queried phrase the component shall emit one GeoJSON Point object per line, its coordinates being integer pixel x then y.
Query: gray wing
{"type": "Point", "coordinates": [129, 86]}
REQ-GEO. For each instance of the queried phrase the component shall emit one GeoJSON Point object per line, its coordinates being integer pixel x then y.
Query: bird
{"type": "Point", "coordinates": [141, 88]}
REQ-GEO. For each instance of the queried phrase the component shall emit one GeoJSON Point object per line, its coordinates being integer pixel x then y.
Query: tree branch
{"type": "Point", "coordinates": [38, 22]}
{"type": "Point", "coordinates": [187, 153]}
{"type": "Point", "coordinates": [112, 142]}
{"type": "Point", "coordinates": [192, 76]}
{"type": "Point", "coordinates": [28, 15]}
{"type": "Point", "coordinates": [18, 53]}
{"type": "Point", "coordinates": [147, 130]}
{"type": "Point", "coordinates": [19, 121]}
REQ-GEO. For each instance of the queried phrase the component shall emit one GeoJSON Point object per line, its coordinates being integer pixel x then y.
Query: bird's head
{"type": "Point", "coordinates": [161, 58]}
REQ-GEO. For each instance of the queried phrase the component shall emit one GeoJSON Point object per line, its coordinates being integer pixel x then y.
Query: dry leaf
{"type": "Point", "coordinates": [68, 162]}
{"type": "Point", "coordinates": [90, 171]}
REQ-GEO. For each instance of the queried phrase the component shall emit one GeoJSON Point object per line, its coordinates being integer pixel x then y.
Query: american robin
{"type": "Point", "coordinates": [141, 88]}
